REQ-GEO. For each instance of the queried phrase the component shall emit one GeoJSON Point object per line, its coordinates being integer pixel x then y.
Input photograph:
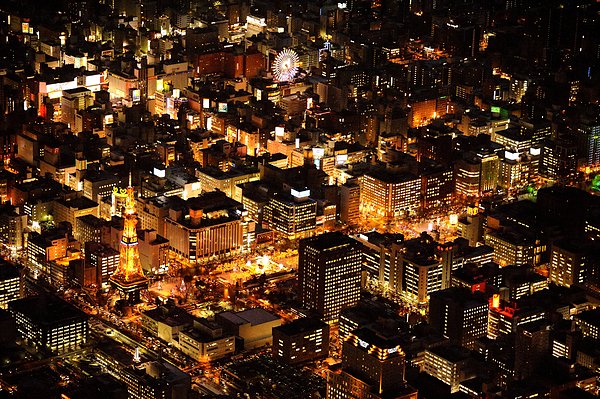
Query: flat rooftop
{"type": "Point", "coordinates": [254, 316]}
{"type": "Point", "coordinates": [46, 310]}
{"type": "Point", "coordinates": [300, 326]}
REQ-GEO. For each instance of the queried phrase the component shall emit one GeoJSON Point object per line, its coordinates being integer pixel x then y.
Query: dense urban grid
{"type": "Point", "coordinates": [296, 199]}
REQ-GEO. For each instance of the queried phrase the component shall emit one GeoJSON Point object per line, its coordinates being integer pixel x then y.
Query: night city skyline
{"type": "Point", "coordinates": [291, 199]}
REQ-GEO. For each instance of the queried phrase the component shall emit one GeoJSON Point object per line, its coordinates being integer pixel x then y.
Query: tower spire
{"type": "Point", "coordinates": [129, 275]}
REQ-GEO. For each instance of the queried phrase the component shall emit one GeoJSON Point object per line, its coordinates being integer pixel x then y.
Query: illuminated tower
{"type": "Point", "coordinates": [129, 278]}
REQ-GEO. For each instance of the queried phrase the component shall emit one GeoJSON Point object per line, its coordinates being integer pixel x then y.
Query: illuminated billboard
{"type": "Point", "coordinates": [135, 95]}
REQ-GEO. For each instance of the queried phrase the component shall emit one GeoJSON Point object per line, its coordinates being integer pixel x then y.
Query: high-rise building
{"type": "Point", "coordinates": [11, 283]}
{"type": "Point", "coordinates": [69, 210]}
{"type": "Point", "coordinates": [329, 274]}
{"type": "Point", "coordinates": [437, 186]}
{"type": "Point", "coordinates": [46, 247]}
{"type": "Point", "coordinates": [373, 367]}
{"type": "Point", "coordinates": [513, 248]}
{"type": "Point", "coordinates": [12, 226]}
{"type": "Point", "coordinates": [302, 340]}
{"type": "Point", "coordinates": [350, 203]}
{"type": "Point", "coordinates": [568, 263]}
{"type": "Point", "coordinates": [206, 341]}
{"type": "Point", "coordinates": [532, 344]}
{"type": "Point", "coordinates": [422, 271]}
{"type": "Point", "coordinates": [503, 318]}
{"type": "Point", "coordinates": [156, 379]}
{"type": "Point", "coordinates": [104, 259]}
{"type": "Point", "coordinates": [470, 227]}
{"type": "Point", "coordinates": [98, 185]}
{"type": "Point", "coordinates": [588, 138]}
{"type": "Point", "coordinates": [477, 173]}
{"type": "Point", "coordinates": [74, 100]}
{"type": "Point", "coordinates": [381, 256]}
{"type": "Point", "coordinates": [91, 228]}
{"type": "Point", "coordinates": [490, 163]}
{"type": "Point", "coordinates": [293, 216]}
{"type": "Point", "coordinates": [589, 323]}
{"type": "Point", "coordinates": [390, 194]}
{"type": "Point", "coordinates": [129, 277]}
{"type": "Point", "coordinates": [459, 315]}
{"type": "Point", "coordinates": [467, 177]}
{"type": "Point", "coordinates": [49, 323]}
{"type": "Point", "coordinates": [449, 364]}
{"type": "Point", "coordinates": [559, 159]}
{"type": "Point", "coordinates": [211, 225]}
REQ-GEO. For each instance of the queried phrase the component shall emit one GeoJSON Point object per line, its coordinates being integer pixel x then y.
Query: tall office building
{"type": "Point", "coordinates": [422, 270]}
{"type": "Point", "coordinates": [104, 259]}
{"type": "Point", "coordinates": [559, 159]}
{"type": "Point", "coordinates": [211, 225]}
{"type": "Point", "coordinates": [470, 226]}
{"type": "Point", "coordinates": [503, 318]}
{"type": "Point", "coordinates": [449, 364]}
{"type": "Point", "coordinates": [302, 340]}
{"type": "Point", "coordinates": [459, 315]}
{"type": "Point", "coordinates": [381, 256]}
{"type": "Point", "coordinates": [477, 173]}
{"type": "Point", "coordinates": [49, 323]}
{"type": "Point", "coordinates": [373, 366]}
{"type": "Point", "coordinates": [568, 263]}
{"type": "Point", "coordinates": [329, 274]}
{"type": "Point", "coordinates": [589, 323]}
{"type": "Point", "coordinates": [588, 138]}
{"type": "Point", "coordinates": [293, 216]}
{"type": "Point", "coordinates": [11, 283]}
{"type": "Point", "coordinates": [389, 193]}
{"type": "Point", "coordinates": [13, 222]}
{"type": "Point", "coordinates": [91, 228]}
{"type": "Point", "coordinates": [74, 100]}
{"type": "Point", "coordinates": [350, 203]}
{"type": "Point", "coordinates": [532, 343]}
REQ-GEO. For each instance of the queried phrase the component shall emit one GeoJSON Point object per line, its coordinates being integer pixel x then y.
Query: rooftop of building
{"type": "Point", "coordinates": [220, 175]}
{"type": "Point", "coordinates": [377, 238]}
{"type": "Point", "coordinates": [170, 315]}
{"type": "Point", "coordinates": [590, 317]}
{"type": "Point", "coordinates": [9, 271]}
{"type": "Point", "coordinates": [43, 184]}
{"type": "Point", "coordinates": [45, 239]}
{"type": "Point", "coordinates": [99, 249]}
{"type": "Point", "coordinates": [46, 310]}
{"type": "Point", "coordinates": [379, 335]}
{"type": "Point", "coordinates": [391, 176]}
{"type": "Point", "coordinates": [471, 273]}
{"type": "Point", "coordinates": [452, 353]}
{"type": "Point", "coordinates": [576, 393]}
{"type": "Point", "coordinates": [78, 203]}
{"type": "Point", "coordinates": [92, 220]}
{"type": "Point", "coordinates": [99, 175]}
{"type": "Point", "coordinates": [329, 241]}
{"type": "Point", "coordinates": [459, 295]}
{"type": "Point", "coordinates": [212, 201]}
{"type": "Point", "coordinates": [255, 317]}
{"type": "Point", "coordinates": [77, 90]}
{"type": "Point", "coordinates": [302, 325]}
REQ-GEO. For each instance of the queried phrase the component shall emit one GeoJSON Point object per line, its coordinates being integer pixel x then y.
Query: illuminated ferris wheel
{"type": "Point", "coordinates": [285, 65]}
